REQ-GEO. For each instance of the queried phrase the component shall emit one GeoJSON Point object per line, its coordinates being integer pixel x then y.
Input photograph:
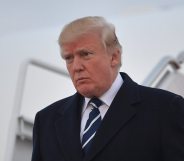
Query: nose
{"type": "Point", "coordinates": [77, 64]}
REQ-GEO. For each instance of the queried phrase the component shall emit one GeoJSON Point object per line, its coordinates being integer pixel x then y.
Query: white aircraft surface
{"type": "Point", "coordinates": [33, 75]}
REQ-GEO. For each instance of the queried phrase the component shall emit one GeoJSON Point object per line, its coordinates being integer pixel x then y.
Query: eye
{"type": "Point", "coordinates": [68, 59]}
{"type": "Point", "coordinates": [86, 54]}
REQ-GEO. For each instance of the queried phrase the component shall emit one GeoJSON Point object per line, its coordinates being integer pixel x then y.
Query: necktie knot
{"type": "Point", "coordinates": [95, 102]}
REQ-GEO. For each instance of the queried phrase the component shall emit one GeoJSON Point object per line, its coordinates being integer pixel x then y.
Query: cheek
{"type": "Point", "coordinates": [71, 74]}
{"type": "Point", "coordinates": [100, 77]}
{"type": "Point", "coordinates": [103, 69]}
{"type": "Point", "coordinates": [69, 70]}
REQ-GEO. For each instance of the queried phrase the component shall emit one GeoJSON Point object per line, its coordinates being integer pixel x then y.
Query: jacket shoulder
{"type": "Point", "coordinates": [158, 96]}
{"type": "Point", "coordinates": [59, 105]}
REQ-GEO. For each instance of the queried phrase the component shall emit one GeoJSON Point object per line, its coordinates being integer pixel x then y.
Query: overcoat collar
{"type": "Point", "coordinates": [121, 111]}
{"type": "Point", "coordinates": [68, 129]}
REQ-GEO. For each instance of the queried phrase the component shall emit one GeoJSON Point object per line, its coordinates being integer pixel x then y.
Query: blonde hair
{"type": "Point", "coordinates": [90, 24]}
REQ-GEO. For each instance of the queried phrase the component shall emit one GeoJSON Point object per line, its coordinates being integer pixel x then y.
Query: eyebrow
{"type": "Point", "coordinates": [84, 50]}
{"type": "Point", "coordinates": [65, 53]}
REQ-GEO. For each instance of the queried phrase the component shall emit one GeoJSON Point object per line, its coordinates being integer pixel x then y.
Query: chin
{"type": "Point", "coordinates": [86, 93]}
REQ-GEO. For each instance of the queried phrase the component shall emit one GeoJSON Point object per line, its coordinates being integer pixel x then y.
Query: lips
{"type": "Point", "coordinates": [81, 80]}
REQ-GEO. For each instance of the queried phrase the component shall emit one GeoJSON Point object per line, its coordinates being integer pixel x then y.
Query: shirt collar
{"type": "Point", "coordinates": [108, 96]}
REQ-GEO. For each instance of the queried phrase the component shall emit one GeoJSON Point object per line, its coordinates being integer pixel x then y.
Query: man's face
{"type": "Point", "coordinates": [91, 68]}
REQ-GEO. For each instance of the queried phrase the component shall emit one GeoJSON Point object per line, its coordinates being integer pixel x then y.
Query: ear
{"type": "Point", "coordinates": [116, 58]}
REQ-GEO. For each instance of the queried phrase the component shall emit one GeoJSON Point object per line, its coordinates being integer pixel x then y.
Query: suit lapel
{"type": "Point", "coordinates": [121, 111]}
{"type": "Point", "coordinates": [68, 129]}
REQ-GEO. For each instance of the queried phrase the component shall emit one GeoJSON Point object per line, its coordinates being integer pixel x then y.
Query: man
{"type": "Point", "coordinates": [110, 117]}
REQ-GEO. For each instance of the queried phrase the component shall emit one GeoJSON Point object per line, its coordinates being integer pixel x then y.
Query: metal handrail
{"type": "Point", "coordinates": [159, 68]}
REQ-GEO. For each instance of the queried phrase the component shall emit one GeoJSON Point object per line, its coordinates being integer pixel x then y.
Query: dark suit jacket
{"type": "Point", "coordinates": [142, 124]}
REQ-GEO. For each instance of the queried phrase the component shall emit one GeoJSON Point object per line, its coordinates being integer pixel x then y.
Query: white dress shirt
{"type": "Point", "coordinates": [106, 98]}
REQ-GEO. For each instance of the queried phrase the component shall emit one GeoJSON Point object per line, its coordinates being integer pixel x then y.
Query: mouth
{"type": "Point", "coordinates": [81, 80]}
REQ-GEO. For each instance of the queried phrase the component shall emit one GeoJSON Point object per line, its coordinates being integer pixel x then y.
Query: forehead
{"type": "Point", "coordinates": [87, 41]}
